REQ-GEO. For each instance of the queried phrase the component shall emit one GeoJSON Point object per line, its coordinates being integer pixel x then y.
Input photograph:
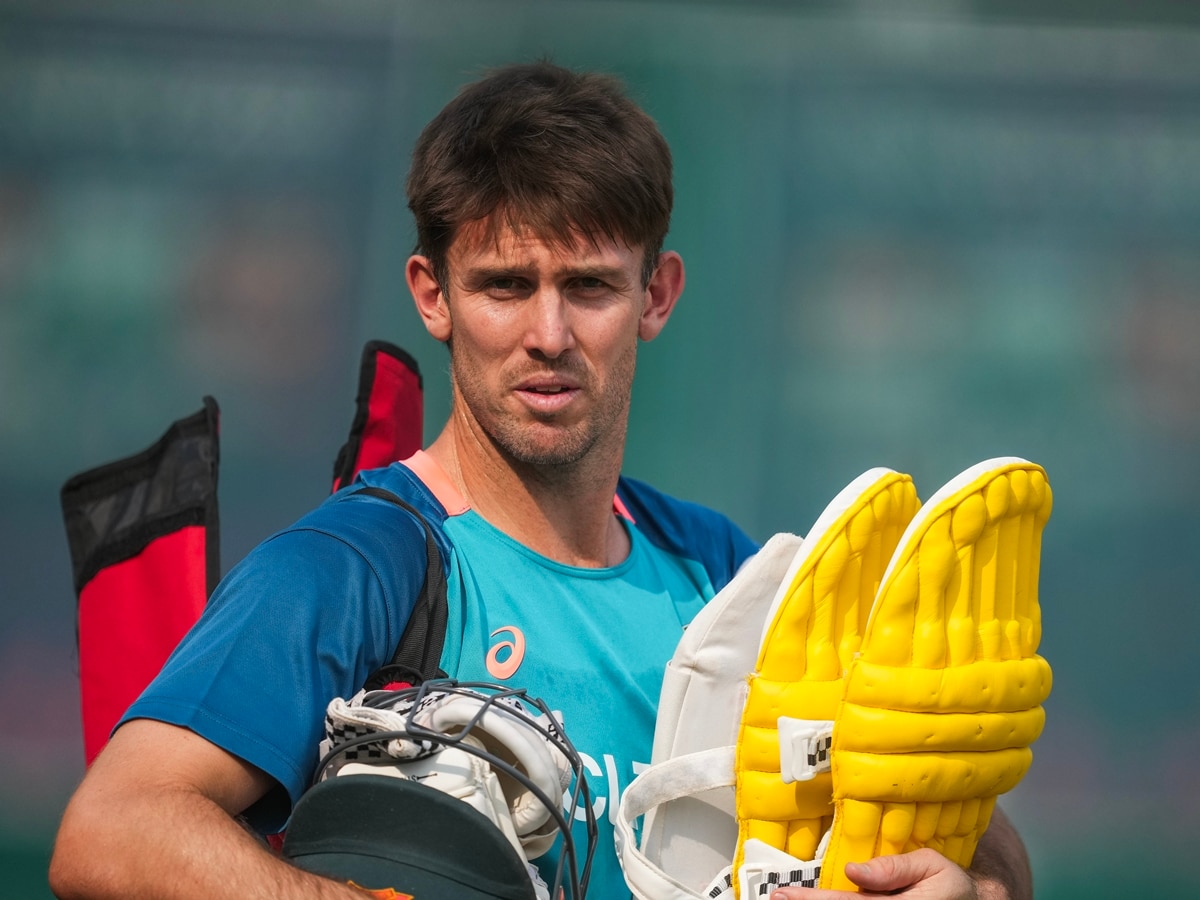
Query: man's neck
{"type": "Point", "coordinates": [562, 512]}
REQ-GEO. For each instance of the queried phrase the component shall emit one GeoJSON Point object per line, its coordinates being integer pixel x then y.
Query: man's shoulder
{"type": "Point", "coordinates": [371, 520]}
{"type": "Point", "coordinates": [350, 533]}
{"type": "Point", "coordinates": [658, 505]}
{"type": "Point", "coordinates": [685, 528]}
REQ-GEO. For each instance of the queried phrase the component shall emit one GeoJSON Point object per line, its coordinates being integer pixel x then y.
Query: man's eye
{"type": "Point", "coordinates": [504, 285]}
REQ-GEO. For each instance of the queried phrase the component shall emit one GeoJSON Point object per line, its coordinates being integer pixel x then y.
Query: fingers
{"type": "Point", "coordinates": [921, 875]}
{"type": "Point", "coordinates": [893, 873]}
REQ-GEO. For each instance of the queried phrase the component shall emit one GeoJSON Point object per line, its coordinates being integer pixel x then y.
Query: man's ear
{"type": "Point", "coordinates": [427, 295]}
{"type": "Point", "coordinates": [666, 284]}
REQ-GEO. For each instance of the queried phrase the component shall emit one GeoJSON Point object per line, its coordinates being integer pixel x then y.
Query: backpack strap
{"type": "Point", "coordinates": [417, 655]}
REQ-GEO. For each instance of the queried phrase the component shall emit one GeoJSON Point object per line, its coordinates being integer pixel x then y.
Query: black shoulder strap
{"type": "Point", "coordinates": [420, 649]}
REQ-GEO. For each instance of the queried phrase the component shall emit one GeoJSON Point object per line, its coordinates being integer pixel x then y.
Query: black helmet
{"type": "Point", "coordinates": [388, 812]}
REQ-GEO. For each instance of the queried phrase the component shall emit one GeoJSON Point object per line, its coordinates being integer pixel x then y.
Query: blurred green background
{"type": "Point", "coordinates": [918, 235]}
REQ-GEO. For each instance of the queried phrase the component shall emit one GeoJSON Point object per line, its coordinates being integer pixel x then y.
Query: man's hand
{"type": "Point", "coordinates": [920, 875]}
{"type": "Point", "coordinates": [1000, 871]}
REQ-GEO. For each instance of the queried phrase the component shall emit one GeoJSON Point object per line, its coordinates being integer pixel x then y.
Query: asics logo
{"type": "Point", "coordinates": [505, 657]}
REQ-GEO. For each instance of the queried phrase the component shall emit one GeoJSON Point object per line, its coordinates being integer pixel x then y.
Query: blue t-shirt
{"type": "Point", "coordinates": [318, 607]}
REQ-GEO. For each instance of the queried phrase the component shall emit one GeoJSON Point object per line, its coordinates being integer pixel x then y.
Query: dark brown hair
{"type": "Point", "coordinates": [558, 152]}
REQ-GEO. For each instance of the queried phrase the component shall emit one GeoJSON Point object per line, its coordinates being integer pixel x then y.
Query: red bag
{"type": "Point", "coordinates": [145, 555]}
{"type": "Point", "coordinates": [388, 415]}
{"type": "Point", "coordinates": [144, 539]}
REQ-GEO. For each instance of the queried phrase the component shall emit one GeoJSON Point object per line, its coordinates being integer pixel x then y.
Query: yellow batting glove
{"type": "Point", "coordinates": [813, 631]}
{"type": "Point", "coordinates": [944, 699]}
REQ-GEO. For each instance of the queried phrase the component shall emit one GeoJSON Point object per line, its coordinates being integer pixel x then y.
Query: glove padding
{"type": "Point", "coordinates": [927, 707]}
{"type": "Point", "coordinates": [944, 700]}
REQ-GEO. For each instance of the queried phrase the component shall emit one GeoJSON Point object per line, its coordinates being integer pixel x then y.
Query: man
{"type": "Point", "coordinates": [541, 198]}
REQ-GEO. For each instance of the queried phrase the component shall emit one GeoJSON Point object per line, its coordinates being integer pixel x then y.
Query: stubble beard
{"type": "Point", "coordinates": [541, 444]}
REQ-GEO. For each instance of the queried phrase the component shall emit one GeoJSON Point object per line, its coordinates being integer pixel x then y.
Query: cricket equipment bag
{"type": "Point", "coordinates": [143, 538]}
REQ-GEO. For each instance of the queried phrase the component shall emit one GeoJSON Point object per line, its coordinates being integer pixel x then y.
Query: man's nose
{"type": "Point", "coordinates": [548, 329]}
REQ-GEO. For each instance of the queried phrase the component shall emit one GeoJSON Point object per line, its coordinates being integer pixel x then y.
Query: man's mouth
{"type": "Point", "coordinates": [548, 397]}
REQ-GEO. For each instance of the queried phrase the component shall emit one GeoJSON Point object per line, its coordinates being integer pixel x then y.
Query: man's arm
{"type": "Point", "coordinates": [999, 871]}
{"type": "Point", "coordinates": [154, 818]}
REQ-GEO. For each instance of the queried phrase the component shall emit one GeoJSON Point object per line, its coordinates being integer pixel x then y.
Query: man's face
{"type": "Point", "coordinates": [543, 342]}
